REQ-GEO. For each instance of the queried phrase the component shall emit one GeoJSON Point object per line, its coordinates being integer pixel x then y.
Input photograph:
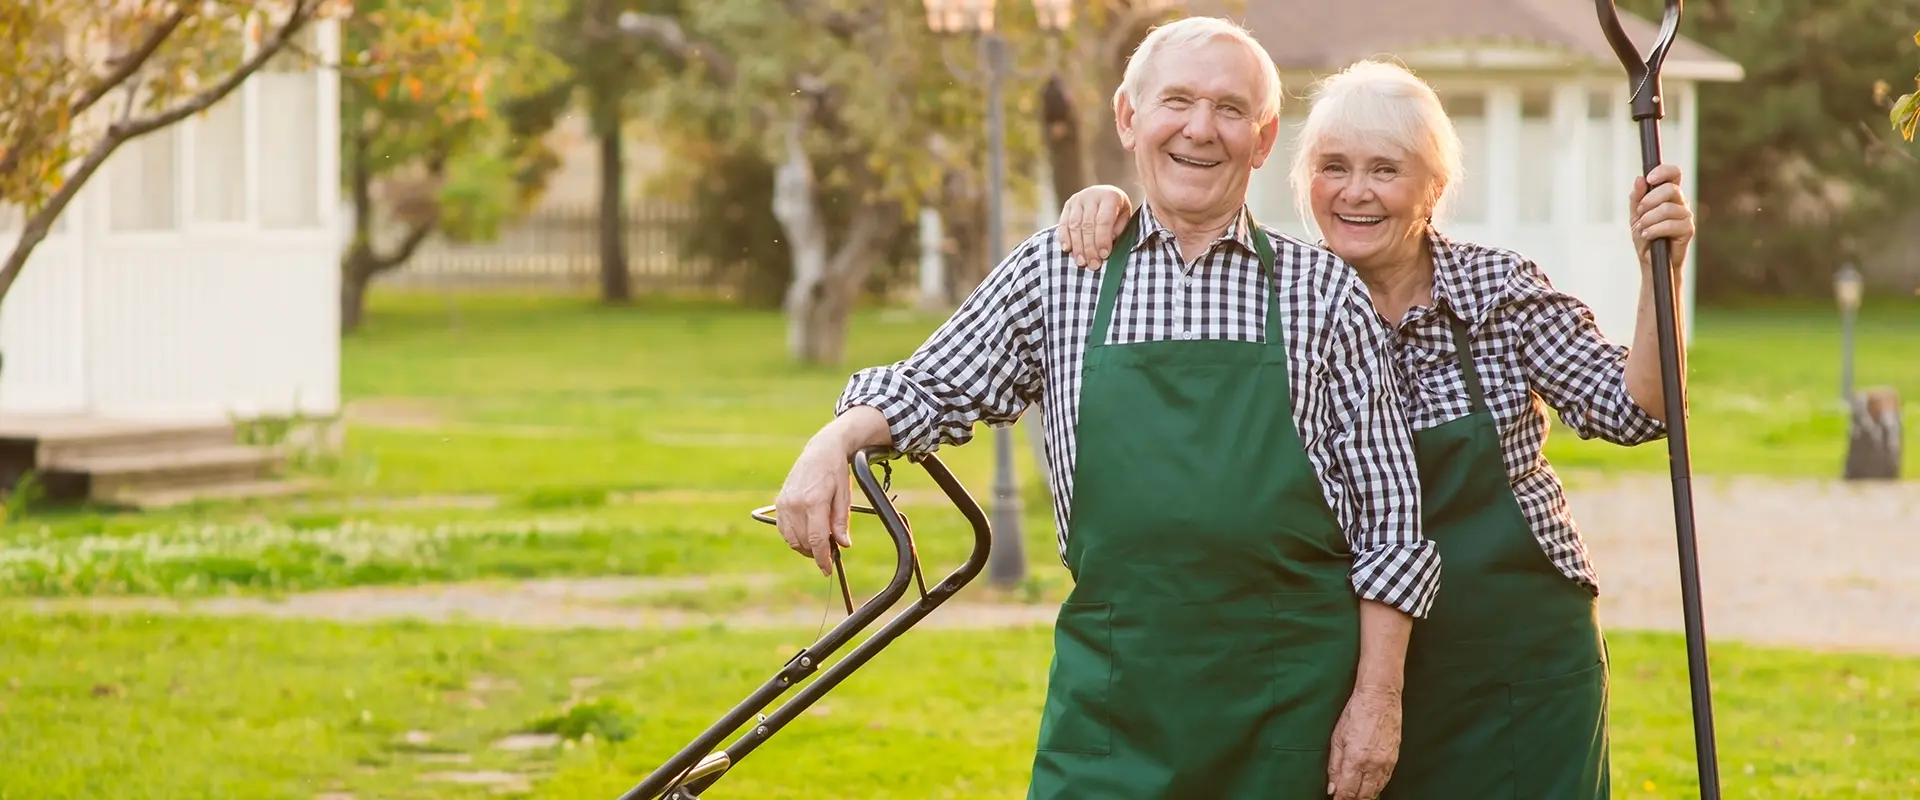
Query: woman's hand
{"type": "Point", "coordinates": [1089, 222]}
{"type": "Point", "coordinates": [1661, 212]}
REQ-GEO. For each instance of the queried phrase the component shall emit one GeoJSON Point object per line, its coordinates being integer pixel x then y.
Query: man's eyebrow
{"type": "Point", "coordinates": [1234, 98]}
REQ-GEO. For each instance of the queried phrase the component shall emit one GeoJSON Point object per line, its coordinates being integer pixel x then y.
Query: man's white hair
{"type": "Point", "coordinates": [1378, 101]}
{"type": "Point", "coordinates": [1191, 33]}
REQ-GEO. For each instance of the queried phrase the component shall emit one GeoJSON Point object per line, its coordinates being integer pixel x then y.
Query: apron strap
{"type": "Point", "coordinates": [1463, 350]}
{"type": "Point", "coordinates": [1110, 279]}
{"type": "Point", "coordinates": [1123, 253]}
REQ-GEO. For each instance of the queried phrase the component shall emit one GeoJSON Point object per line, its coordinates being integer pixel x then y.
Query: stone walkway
{"type": "Point", "coordinates": [1804, 563]}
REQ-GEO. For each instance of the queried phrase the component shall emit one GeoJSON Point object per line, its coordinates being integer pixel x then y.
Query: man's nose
{"type": "Point", "coordinates": [1200, 123]}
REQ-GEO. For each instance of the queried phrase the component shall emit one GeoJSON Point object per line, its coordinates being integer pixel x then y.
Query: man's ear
{"type": "Point", "coordinates": [1123, 118]}
{"type": "Point", "coordinates": [1269, 134]}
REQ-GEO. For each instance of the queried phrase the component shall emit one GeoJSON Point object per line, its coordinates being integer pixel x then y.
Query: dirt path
{"type": "Point", "coordinates": [1807, 563]}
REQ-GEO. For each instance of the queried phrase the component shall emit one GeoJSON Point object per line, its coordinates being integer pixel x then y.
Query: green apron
{"type": "Point", "coordinates": [1506, 685]}
{"type": "Point", "coordinates": [1211, 638]}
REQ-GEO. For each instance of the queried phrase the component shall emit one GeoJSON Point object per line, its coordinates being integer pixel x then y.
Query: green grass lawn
{"type": "Point", "coordinates": [588, 441]}
{"type": "Point", "coordinates": [133, 707]}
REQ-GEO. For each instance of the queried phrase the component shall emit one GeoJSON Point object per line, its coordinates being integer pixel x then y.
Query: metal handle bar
{"type": "Point", "coordinates": [697, 766]}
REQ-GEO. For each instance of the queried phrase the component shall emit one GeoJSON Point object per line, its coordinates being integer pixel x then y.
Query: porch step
{"type": "Point", "coordinates": [151, 499]}
{"type": "Point", "coordinates": [120, 472]}
{"type": "Point", "coordinates": [57, 439]}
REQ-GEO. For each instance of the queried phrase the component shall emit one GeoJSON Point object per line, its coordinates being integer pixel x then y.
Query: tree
{"type": "Point", "coordinates": [1906, 109]}
{"type": "Point", "coordinates": [1796, 170]}
{"type": "Point", "coordinates": [843, 99]}
{"type": "Point", "coordinates": [80, 78]}
{"type": "Point", "coordinates": [421, 144]}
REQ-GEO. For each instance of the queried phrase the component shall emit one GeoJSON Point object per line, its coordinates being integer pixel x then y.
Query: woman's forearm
{"type": "Point", "coordinates": [1643, 361]}
{"type": "Point", "coordinates": [1383, 647]}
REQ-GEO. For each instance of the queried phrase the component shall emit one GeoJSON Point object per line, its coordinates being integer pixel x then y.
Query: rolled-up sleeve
{"type": "Point", "coordinates": [982, 364]}
{"type": "Point", "coordinates": [1393, 561]}
{"type": "Point", "coordinates": [1576, 369]}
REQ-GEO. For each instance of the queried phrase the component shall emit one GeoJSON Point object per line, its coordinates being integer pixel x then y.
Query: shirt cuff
{"type": "Point", "coordinates": [1405, 576]}
{"type": "Point", "coordinates": [910, 421]}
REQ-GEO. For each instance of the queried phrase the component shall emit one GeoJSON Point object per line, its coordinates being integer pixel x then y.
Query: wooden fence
{"type": "Point", "coordinates": [559, 247]}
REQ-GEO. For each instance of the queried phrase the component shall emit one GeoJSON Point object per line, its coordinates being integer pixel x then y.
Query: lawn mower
{"type": "Point", "coordinates": [698, 765]}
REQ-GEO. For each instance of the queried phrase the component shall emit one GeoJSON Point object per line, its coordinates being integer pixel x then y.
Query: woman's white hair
{"type": "Point", "coordinates": [1191, 33]}
{"type": "Point", "coordinates": [1380, 102]}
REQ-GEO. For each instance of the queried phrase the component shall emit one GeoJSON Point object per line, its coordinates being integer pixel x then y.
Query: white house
{"type": "Point", "coordinates": [1540, 101]}
{"type": "Point", "coordinates": [195, 277]}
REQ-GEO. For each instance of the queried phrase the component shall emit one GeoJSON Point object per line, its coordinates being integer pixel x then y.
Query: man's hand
{"type": "Point", "coordinates": [1366, 745]}
{"type": "Point", "coordinates": [813, 503]}
{"type": "Point", "coordinates": [811, 509]}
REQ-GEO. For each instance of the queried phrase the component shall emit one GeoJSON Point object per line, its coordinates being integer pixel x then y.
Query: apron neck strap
{"type": "Point", "coordinates": [1463, 350]}
{"type": "Point", "coordinates": [1123, 254]}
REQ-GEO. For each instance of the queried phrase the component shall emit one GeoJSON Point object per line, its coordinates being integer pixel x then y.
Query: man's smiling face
{"type": "Point", "coordinates": [1196, 135]}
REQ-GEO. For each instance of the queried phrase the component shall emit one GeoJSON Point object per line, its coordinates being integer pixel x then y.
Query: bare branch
{"type": "Point", "coordinates": [130, 63]}
{"type": "Point", "coordinates": [301, 14]}
{"type": "Point", "coordinates": [667, 33]}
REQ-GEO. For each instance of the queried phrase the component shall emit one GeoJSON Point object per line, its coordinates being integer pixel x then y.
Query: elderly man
{"type": "Point", "coordinates": [1236, 492]}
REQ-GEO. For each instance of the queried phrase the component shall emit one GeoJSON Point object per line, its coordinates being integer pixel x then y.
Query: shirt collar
{"type": "Point", "coordinates": [1238, 233]}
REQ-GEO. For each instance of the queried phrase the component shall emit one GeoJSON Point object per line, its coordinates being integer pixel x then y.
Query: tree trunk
{"type": "Point", "coordinates": [1874, 442]}
{"type": "Point", "coordinates": [964, 212]}
{"type": "Point", "coordinates": [615, 283]}
{"type": "Point", "coordinates": [355, 274]}
{"type": "Point", "coordinates": [826, 278]}
{"type": "Point", "coordinates": [416, 208]}
{"type": "Point", "coordinates": [1060, 124]}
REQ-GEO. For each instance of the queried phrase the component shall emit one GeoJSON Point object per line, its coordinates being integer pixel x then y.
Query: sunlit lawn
{"type": "Point", "coordinates": [587, 441]}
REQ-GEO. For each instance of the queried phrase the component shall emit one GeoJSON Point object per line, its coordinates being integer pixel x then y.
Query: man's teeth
{"type": "Point", "coordinates": [1192, 162]}
{"type": "Point", "coordinates": [1359, 220]}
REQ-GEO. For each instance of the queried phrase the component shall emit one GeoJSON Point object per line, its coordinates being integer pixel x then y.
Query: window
{"type": "Point", "coordinates": [289, 133]}
{"type": "Point", "coordinates": [1606, 194]}
{"type": "Point", "coordinates": [220, 161]}
{"type": "Point", "coordinates": [1467, 202]}
{"type": "Point", "coordinates": [143, 189]}
{"type": "Point", "coordinates": [1534, 173]}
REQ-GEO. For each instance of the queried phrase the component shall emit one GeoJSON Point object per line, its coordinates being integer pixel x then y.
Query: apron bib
{"type": "Point", "coordinates": [1506, 684]}
{"type": "Point", "coordinates": [1211, 638]}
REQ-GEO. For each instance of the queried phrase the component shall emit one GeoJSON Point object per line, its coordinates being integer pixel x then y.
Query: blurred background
{"type": "Point", "coordinates": [384, 387]}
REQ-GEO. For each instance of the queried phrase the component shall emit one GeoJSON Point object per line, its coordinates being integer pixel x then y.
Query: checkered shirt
{"type": "Point", "coordinates": [1536, 348]}
{"type": "Point", "coordinates": [1019, 338]}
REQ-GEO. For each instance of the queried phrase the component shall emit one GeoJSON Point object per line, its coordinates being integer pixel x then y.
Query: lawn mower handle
{"type": "Point", "coordinates": [697, 766]}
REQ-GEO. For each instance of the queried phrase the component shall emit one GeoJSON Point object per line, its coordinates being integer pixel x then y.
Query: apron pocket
{"type": "Point", "coordinates": [1316, 651]}
{"type": "Point", "coordinates": [1559, 735]}
{"type": "Point", "coordinates": [1077, 717]}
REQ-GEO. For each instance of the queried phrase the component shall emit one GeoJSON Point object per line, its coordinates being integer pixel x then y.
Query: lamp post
{"type": "Point", "coordinates": [1847, 289]}
{"type": "Point", "coordinates": [1006, 564]}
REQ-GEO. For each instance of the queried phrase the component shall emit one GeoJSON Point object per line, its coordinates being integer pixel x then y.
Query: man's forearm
{"type": "Point", "coordinates": [859, 426]}
{"type": "Point", "coordinates": [1384, 631]}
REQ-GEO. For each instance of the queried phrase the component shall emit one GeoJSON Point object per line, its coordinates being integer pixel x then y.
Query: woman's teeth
{"type": "Point", "coordinates": [1359, 220]}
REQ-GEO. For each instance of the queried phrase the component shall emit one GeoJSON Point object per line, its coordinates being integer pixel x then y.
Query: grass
{"type": "Point", "coordinates": [228, 708]}
{"type": "Point", "coordinates": [519, 437]}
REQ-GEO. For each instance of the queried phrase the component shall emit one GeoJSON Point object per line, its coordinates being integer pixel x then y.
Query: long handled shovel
{"type": "Point", "coordinates": [1647, 110]}
{"type": "Point", "coordinates": [699, 765]}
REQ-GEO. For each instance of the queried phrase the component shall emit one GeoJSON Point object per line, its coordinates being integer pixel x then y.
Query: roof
{"type": "Point", "coordinates": [1322, 35]}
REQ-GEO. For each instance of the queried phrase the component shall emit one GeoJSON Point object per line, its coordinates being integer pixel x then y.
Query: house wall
{"type": "Point", "coordinates": [1549, 161]}
{"type": "Point", "coordinates": [199, 274]}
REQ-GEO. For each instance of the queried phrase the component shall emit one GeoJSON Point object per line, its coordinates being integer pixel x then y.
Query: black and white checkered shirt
{"type": "Point", "coordinates": [1536, 348]}
{"type": "Point", "coordinates": [1020, 336]}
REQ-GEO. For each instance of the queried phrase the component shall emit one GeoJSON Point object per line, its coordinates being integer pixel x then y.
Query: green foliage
{"type": "Point", "coordinates": [1797, 171]}
{"type": "Point", "coordinates": [423, 86]}
{"type": "Point", "coordinates": [1906, 110]}
{"type": "Point", "coordinates": [606, 719]}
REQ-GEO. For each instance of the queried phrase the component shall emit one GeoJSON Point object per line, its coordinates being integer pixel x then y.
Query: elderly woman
{"type": "Point", "coordinates": [1506, 682]}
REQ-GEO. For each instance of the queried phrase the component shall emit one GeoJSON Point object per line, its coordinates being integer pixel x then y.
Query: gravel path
{"type": "Point", "coordinates": [1807, 563]}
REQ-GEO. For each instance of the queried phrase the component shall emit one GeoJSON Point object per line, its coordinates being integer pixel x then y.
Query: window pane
{"type": "Point", "coordinates": [220, 161]}
{"type": "Point", "coordinates": [142, 191]}
{"type": "Point", "coordinates": [1604, 192]}
{"type": "Point", "coordinates": [1467, 201]}
{"type": "Point", "coordinates": [1535, 170]}
{"type": "Point", "coordinates": [290, 139]}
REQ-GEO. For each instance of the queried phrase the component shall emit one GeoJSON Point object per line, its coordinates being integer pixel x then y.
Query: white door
{"type": "Point", "coordinates": [42, 329]}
